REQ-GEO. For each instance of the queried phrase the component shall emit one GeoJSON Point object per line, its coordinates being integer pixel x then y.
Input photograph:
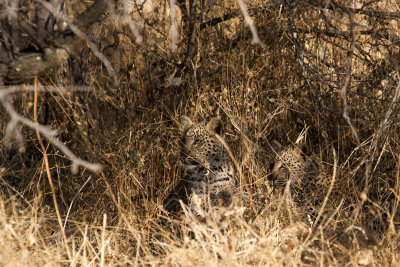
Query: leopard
{"type": "Point", "coordinates": [210, 172]}
{"type": "Point", "coordinates": [303, 172]}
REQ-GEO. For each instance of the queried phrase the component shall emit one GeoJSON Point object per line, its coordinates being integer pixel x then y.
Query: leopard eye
{"type": "Point", "coordinates": [196, 141]}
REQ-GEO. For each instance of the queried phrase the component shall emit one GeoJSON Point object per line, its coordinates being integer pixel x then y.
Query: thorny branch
{"type": "Point", "coordinates": [50, 134]}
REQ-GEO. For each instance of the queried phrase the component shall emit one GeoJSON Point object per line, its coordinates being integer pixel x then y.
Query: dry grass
{"type": "Point", "coordinates": [117, 217]}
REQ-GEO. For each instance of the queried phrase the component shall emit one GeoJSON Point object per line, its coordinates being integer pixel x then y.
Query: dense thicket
{"type": "Point", "coordinates": [327, 69]}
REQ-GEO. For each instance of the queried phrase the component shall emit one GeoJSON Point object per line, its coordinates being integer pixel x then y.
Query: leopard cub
{"type": "Point", "coordinates": [210, 173]}
{"type": "Point", "coordinates": [308, 176]}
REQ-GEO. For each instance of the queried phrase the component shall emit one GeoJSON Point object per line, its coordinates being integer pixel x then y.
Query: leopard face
{"type": "Point", "coordinates": [290, 164]}
{"type": "Point", "coordinates": [207, 162]}
{"type": "Point", "coordinates": [309, 178]}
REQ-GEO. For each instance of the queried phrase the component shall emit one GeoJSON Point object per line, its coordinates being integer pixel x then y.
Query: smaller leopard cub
{"type": "Point", "coordinates": [310, 180]}
{"type": "Point", "coordinates": [289, 164]}
{"type": "Point", "coordinates": [210, 171]}
{"type": "Point", "coordinates": [303, 169]}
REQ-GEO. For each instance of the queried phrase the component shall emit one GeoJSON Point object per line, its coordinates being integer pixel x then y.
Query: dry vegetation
{"type": "Point", "coordinates": [324, 67]}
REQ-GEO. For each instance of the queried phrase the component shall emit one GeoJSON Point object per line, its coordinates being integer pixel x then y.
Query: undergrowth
{"type": "Point", "coordinates": [293, 84]}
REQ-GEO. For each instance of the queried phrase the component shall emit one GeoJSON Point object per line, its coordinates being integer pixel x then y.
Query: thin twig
{"type": "Point", "coordinates": [396, 193]}
{"type": "Point", "coordinates": [239, 170]}
{"type": "Point", "coordinates": [46, 160]}
{"type": "Point", "coordinates": [343, 91]}
{"type": "Point", "coordinates": [72, 201]}
{"type": "Point", "coordinates": [8, 90]}
{"type": "Point", "coordinates": [103, 240]}
{"type": "Point", "coordinates": [120, 209]}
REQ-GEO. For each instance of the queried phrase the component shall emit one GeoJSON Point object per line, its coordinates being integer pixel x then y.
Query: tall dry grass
{"type": "Point", "coordinates": [261, 93]}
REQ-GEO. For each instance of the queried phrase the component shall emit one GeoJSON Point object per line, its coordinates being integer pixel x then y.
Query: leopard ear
{"type": "Point", "coordinates": [303, 149]}
{"type": "Point", "coordinates": [215, 126]}
{"type": "Point", "coordinates": [276, 146]}
{"type": "Point", "coordinates": [185, 122]}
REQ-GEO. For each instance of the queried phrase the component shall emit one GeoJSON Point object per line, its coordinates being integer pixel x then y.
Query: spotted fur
{"type": "Point", "coordinates": [210, 170]}
{"type": "Point", "coordinates": [308, 177]}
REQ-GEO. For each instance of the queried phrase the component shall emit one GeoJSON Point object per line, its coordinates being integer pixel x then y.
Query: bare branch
{"type": "Point", "coordinates": [343, 91]}
{"type": "Point", "coordinates": [173, 33]}
{"type": "Point", "coordinates": [131, 23]}
{"type": "Point", "coordinates": [46, 131]}
{"type": "Point", "coordinates": [215, 21]}
{"type": "Point", "coordinates": [249, 21]}
{"type": "Point", "coordinates": [74, 26]}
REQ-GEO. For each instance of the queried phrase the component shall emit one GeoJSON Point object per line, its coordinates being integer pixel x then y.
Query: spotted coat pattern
{"type": "Point", "coordinates": [207, 162]}
{"type": "Point", "coordinates": [308, 177]}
